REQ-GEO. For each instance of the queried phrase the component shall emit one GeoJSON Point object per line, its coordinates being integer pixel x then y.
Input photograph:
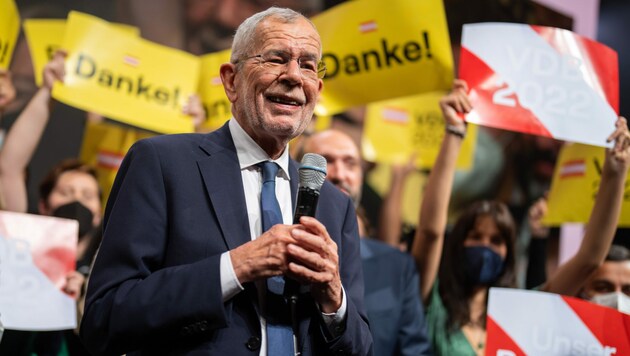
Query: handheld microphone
{"type": "Point", "coordinates": [312, 175]}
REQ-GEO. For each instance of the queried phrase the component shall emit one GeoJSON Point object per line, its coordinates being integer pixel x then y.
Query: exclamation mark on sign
{"type": "Point", "coordinates": [425, 34]}
{"type": "Point", "coordinates": [3, 48]}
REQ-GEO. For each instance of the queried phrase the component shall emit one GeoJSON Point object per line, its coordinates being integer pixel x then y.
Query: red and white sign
{"type": "Point", "coordinates": [524, 322]}
{"type": "Point", "coordinates": [540, 80]}
{"type": "Point", "coordinates": [36, 255]}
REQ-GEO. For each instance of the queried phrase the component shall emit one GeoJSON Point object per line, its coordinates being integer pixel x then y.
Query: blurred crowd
{"type": "Point", "coordinates": [475, 229]}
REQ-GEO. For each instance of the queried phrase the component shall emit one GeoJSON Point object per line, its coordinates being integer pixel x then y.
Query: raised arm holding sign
{"type": "Point", "coordinates": [600, 230]}
{"type": "Point", "coordinates": [479, 253]}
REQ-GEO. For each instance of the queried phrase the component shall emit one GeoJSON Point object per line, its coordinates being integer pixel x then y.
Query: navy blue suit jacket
{"type": "Point", "coordinates": [177, 204]}
{"type": "Point", "coordinates": [392, 300]}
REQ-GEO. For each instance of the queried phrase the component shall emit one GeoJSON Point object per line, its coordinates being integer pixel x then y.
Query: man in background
{"type": "Point", "coordinates": [392, 297]}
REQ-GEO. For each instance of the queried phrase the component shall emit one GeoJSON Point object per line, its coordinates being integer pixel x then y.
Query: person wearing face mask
{"type": "Point", "coordinates": [609, 285]}
{"type": "Point", "coordinates": [70, 190]}
{"type": "Point", "coordinates": [479, 251]}
{"type": "Point", "coordinates": [606, 278]}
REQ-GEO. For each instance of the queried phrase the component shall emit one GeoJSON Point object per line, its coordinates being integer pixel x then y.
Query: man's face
{"type": "Point", "coordinates": [272, 104]}
{"type": "Point", "coordinates": [344, 162]}
{"type": "Point", "coordinates": [611, 276]}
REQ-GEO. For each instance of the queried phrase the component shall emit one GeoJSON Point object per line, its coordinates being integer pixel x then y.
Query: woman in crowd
{"type": "Point", "coordinates": [456, 274]}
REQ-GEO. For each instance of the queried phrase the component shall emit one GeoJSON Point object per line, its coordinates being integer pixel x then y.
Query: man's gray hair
{"type": "Point", "coordinates": [245, 37]}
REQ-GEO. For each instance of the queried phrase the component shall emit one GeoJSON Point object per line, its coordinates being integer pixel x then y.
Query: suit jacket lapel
{"type": "Point", "coordinates": [222, 177]}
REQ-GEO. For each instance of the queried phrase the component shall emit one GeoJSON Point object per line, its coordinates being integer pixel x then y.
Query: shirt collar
{"type": "Point", "coordinates": [250, 154]}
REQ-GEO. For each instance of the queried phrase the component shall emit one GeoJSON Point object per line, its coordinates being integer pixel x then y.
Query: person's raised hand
{"type": "Point", "coordinates": [195, 110]}
{"type": "Point", "coordinates": [456, 102]}
{"type": "Point", "coordinates": [618, 157]}
{"type": "Point", "coordinates": [55, 69]}
{"type": "Point", "coordinates": [7, 89]}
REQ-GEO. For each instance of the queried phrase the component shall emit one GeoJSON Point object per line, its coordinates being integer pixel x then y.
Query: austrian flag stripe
{"type": "Point", "coordinates": [575, 168]}
{"type": "Point", "coordinates": [540, 80]}
{"type": "Point", "coordinates": [368, 26]}
{"type": "Point", "coordinates": [552, 325]}
{"type": "Point", "coordinates": [395, 115]}
{"type": "Point", "coordinates": [131, 60]}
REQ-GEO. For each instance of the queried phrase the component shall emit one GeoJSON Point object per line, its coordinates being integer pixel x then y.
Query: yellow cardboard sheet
{"type": "Point", "coordinates": [44, 37]}
{"type": "Point", "coordinates": [396, 129]}
{"type": "Point", "coordinates": [216, 103]}
{"type": "Point", "coordinates": [9, 31]}
{"type": "Point", "coordinates": [126, 78]}
{"type": "Point", "coordinates": [376, 50]}
{"type": "Point", "coordinates": [575, 184]}
{"type": "Point", "coordinates": [104, 147]}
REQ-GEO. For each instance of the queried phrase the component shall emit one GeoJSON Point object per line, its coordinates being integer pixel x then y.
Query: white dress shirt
{"type": "Point", "coordinates": [249, 155]}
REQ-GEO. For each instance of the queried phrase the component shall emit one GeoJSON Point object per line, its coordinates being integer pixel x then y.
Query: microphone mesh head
{"type": "Point", "coordinates": [312, 171]}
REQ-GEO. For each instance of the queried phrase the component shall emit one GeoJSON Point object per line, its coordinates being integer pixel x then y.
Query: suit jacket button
{"type": "Point", "coordinates": [203, 326]}
{"type": "Point", "coordinates": [253, 343]}
{"type": "Point", "coordinates": [340, 352]}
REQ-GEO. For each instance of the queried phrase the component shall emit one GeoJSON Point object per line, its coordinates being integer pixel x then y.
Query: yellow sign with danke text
{"type": "Point", "coordinates": [376, 50]}
{"type": "Point", "coordinates": [575, 184]}
{"type": "Point", "coordinates": [399, 128]}
{"type": "Point", "coordinates": [126, 78]}
{"type": "Point", "coordinates": [44, 37]}
{"type": "Point", "coordinates": [9, 31]}
{"type": "Point", "coordinates": [215, 102]}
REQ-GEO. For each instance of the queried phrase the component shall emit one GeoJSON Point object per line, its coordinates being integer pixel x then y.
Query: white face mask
{"type": "Point", "coordinates": [615, 300]}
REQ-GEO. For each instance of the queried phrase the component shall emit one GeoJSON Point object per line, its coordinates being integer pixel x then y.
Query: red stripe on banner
{"type": "Point", "coordinates": [499, 342]}
{"type": "Point", "coordinates": [602, 60]}
{"type": "Point", "coordinates": [483, 99]}
{"type": "Point", "coordinates": [609, 326]}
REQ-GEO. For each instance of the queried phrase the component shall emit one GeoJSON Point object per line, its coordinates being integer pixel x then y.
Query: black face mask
{"type": "Point", "coordinates": [76, 211]}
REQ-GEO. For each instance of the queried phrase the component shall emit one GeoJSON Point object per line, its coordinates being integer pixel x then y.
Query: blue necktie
{"type": "Point", "coordinates": [279, 332]}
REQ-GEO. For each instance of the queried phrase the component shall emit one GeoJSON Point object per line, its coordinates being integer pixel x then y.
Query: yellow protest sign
{"type": "Point", "coordinates": [216, 103]}
{"type": "Point", "coordinates": [396, 129]}
{"type": "Point", "coordinates": [9, 31]}
{"type": "Point", "coordinates": [44, 37]}
{"type": "Point", "coordinates": [104, 147]}
{"type": "Point", "coordinates": [376, 50]}
{"type": "Point", "coordinates": [125, 77]}
{"type": "Point", "coordinates": [575, 184]}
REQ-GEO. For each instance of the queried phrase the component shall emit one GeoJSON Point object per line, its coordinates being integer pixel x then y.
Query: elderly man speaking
{"type": "Point", "coordinates": [198, 227]}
